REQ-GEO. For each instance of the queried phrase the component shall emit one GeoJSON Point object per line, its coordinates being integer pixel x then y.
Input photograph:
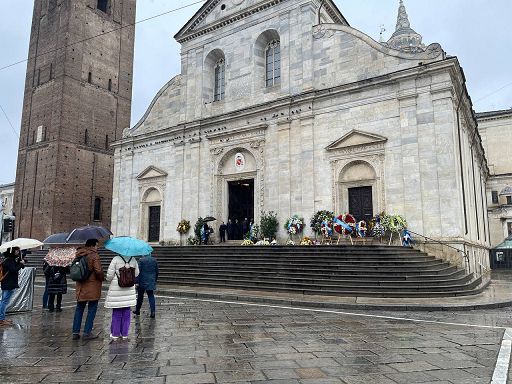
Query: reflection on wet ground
{"type": "Point", "coordinates": [193, 341]}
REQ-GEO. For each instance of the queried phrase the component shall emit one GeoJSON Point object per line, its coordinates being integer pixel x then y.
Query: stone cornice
{"type": "Point", "coordinates": [189, 33]}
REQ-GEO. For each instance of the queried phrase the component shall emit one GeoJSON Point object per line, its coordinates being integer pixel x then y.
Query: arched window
{"type": "Point", "coordinates": [220, 78]}
{"type": "Point", "coordinates": [273, 63]}
{"type": "Point", "coordinates": [97, 209]}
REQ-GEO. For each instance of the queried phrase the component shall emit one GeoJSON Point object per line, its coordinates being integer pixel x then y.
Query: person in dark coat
{"type": "Point", "coordinates": [231, 230]}
{"type": "Point", "coordinates": [236, 230]}
{"type": "Point", "coordinates": [148, 275]}
{"type": "Point", "coordinates": [245, 228]}
{"type": "Point", "coordinates": [57, 285]}
{"type": "Point", "coordinates": [222, 230]}
{"type": "Point", "coordinates": [11, 265]}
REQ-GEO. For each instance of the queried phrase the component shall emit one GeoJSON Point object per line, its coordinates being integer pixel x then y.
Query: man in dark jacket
{"type": "Point", "coordinates": [148, 275]}
{"type": "Point", "coordinates": [11, 265]}
{"type": "Point", "coordinates": [231, 230]}
{"type": "Point", "coordinates": [222, 230]}
{"type": "Point", "coordinates": [56, 285]}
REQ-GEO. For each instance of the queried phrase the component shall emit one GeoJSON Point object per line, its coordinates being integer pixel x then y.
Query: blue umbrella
{"type": "Point", "coordinates": [128, 246]}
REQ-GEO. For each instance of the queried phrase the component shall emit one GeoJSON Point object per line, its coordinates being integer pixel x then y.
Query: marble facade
{"type": "Point", "coordinates": [348, 112]}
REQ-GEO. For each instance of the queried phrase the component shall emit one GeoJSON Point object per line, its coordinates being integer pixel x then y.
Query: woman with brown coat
{"type": "Point", "coordinates": [88, 292]}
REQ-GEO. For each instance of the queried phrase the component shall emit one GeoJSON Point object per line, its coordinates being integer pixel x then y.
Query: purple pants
{"type": "Point", "coordinates": [120, 322]}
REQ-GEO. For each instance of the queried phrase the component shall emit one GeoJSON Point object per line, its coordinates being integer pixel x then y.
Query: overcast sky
{"type": "Point", "coordinates": [477, 31]}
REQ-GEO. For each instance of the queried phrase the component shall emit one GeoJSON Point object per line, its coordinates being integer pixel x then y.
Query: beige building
{"type": "Point", "coordinates": [6, 206]}
{"type": "Point", "coordinates": [496, 131]}
{"type": "Point", "coordinates": [283, 106]}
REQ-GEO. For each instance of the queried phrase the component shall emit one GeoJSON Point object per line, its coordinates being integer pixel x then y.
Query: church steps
{"type": "Point", "coordinates": [390, 281]}
{"type": "Point", "coordinates": [319, 274]}
{"type": "Point", "coordinates": [374, 271]}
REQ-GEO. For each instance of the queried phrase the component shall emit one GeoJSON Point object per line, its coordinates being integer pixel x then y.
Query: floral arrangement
{"type": "Point", "coordinates": [306, 241]}
{"type": "Point", "coordinates": [193, 240]}
{"type": "Point", "coordinates": [247, 242]}
{"type": "Point", "coordinates": [183, 227]}
{"type": "Point", "coordinates": [273, 242]}
{"type": "Point", "coordinates": [290, 242]}
{"type": "Point", "coordinates": [320, 219]}
{"type": "Point", "coordinates": [262, 242]}
{"type": "Point", "coordinates": [294, 225]}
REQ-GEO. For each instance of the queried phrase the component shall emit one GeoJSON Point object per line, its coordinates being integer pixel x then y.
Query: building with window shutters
{"type": "Point", "coordinates": [282, 106]}
{"type": "Point", "coordinates": [77, 101]}
{"type": "Point", "coordinates": [496, 130]}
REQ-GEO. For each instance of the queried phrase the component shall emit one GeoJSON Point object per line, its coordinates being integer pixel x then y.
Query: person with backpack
{"type": "Point", "coordinates": [10, 271]}
{"type": "Point", "coordinates": [148, 276]}
{"type": "Point", "coordinates": [86, 270]}
{"type": "Point", "coordinates": [121, 296]}
{"type": "Point", "coordinates": [57, 285]}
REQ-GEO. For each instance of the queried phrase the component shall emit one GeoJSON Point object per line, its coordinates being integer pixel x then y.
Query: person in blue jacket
{"type": "Point", "coordinates": [148, 275]}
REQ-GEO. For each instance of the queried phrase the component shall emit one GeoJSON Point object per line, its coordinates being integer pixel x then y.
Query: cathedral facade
{"type": "Point", "coordinates": [282, 106]}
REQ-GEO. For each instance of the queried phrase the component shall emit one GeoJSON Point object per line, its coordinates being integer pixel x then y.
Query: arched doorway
{"type": "Point", "coordinates": [151, 207]}
{"type": "Point", "coordinates": [357, 187]}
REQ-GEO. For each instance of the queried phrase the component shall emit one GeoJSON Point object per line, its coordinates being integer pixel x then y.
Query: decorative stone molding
{"type": "Point", "coordinates": [224, 146]}
{"type": "Point", "coordinates": [354, 148]}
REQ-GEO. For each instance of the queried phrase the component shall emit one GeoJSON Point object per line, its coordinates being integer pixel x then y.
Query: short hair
{"type": "Point", "coordinates": [91, 242]}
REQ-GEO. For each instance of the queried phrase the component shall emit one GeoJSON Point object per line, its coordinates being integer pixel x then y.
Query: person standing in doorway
{"type": "Point", "coordinates": [88, 292]}
{"type": "Point", "coordinates": [237, 230]}
{"type": "Point", "coordinates": [245, 228]}
{"type": "Point", "coordinates": [222, 230]}
{"type": "Point", "coordinates": [148, 275]}
{"type": "Point", "coordinates": [231, 230]}
{"type": "Point", "coordinates": [120, 299]}
{"type": "Point", "coordinates": [11, 266]}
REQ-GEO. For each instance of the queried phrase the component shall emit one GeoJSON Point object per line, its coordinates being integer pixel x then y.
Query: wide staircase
{"type": "Point", "coordinates": [373, 271]}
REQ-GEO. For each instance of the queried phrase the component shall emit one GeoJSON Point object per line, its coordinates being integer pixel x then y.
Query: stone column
{"type": "Point", "coordinates": [284, 170]}
{"type": "Point", "coordinates": [308, 176]}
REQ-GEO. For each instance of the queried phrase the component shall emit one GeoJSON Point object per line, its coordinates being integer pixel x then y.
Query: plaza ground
{"type": "Point", "coordinates": [207, 341]}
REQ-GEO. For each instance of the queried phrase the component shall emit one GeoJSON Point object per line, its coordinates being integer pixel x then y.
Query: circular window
{"type": "Point", "coordinates": [223, 6]}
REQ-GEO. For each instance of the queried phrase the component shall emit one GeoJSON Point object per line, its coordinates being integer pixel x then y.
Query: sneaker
{"type": "Point", "coordinates": [76, 336]}
{"type": "Point", "coordinates": [89, 336]}
{"type": "Point", "coordinates": [124, 337]}
{"type": "Point", "coordinates": [58, 310]}
{"type": "Point", "coordinates": [50, 309]}
{"type": "Point", "coordinates": [152, 315]}
{"type": "Point", "coordinates": [136, 313]}
{"type": "Point", "coordinates": [114, 337]}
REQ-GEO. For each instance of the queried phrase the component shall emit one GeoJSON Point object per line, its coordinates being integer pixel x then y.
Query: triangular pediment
{"type": "Point", "coordinates": [356, 138]}
{"type": "Point", "coordinates": [151, 173]}
{"type": "Point", "coordinates": [217, 13]}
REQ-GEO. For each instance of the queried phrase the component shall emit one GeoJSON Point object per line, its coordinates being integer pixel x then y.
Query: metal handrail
{"type": "Point", "coordinates": [464, 253]}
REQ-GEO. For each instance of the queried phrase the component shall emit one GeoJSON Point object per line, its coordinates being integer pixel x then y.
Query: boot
{"type": "Point", "coordinates": [152, 315]}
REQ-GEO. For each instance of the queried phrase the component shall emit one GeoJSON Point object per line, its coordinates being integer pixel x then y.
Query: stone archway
{"type": "Point", "coordinates": [151, 215]}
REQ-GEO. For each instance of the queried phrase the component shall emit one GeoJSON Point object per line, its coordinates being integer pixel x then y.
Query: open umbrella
{"type": "Point", "coordinates": [209, 218]}
{"type": "Point", "coordinates": [60, 239]}
{"type": "Point", "coordinates": [20, 243]}
{"type": "Point", "coordinates": [128, 246]}
{"type": "Point", "coordinates": [88, 232]}
{"type": "Point", "coordinates": [60, 257]}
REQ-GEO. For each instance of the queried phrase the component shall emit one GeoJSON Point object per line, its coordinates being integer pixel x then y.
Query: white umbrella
{"type": "Point", "coordinates": [20, 243]}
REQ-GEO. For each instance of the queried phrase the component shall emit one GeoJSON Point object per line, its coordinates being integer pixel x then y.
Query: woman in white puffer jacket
{"type": "Point", "coordinates": [120, 299]}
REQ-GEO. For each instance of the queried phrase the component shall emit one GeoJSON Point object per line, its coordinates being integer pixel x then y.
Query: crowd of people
{"type": "Point", "coordinates": [124, 293]}
{"type": "Point", "coordinates": [235, 230]}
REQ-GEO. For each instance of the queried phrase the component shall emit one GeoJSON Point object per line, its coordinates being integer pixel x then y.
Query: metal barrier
{"type": "Point", "coordinates": [463, 252]}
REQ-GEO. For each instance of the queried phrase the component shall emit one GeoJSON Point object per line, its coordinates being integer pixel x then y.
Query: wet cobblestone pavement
{"type": "Point", "coordinates": [193, 341]}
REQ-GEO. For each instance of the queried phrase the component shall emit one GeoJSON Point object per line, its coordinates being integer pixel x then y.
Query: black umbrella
{"type": "Point", "coordinates": [60, 239]}
{"type": "Point", "coordinates": [209, 218]}
{"type": "Point", "coordinates": [88, 232]}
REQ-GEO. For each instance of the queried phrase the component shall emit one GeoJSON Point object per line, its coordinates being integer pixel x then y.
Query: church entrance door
{"type": "Point", "coordinates": [154, 224]}
{"type": "Point", "coordinates": [241, 200]}
{"type": "Point", "coordinates": [360, 203]}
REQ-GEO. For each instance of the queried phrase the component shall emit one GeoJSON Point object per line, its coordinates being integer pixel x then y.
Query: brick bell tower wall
{"type": "Point", "coordinates": [77, 101]}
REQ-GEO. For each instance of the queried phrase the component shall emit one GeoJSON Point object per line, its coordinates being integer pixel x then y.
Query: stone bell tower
{"type": "Point", "coordinates": [77, 101]}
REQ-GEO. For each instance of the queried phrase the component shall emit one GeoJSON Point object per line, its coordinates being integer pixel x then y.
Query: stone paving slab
{"type": "Point", "coordinates": [202, 342]}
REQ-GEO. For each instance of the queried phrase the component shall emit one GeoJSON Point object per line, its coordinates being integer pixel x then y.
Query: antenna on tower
{"type": "Point", "coordinates": [382, 30]}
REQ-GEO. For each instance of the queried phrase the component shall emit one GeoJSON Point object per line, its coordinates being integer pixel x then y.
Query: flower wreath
{"type": "Point", "coordinates": [183, 226]}
{"type": "Point", "coordinates": [294, 225]}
